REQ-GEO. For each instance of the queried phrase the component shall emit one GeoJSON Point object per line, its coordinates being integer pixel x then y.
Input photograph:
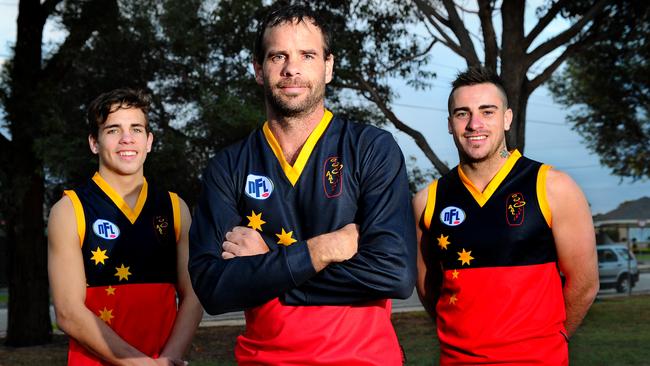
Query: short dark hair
{"type": "Point", "coordinates": [109, 102]}
{"type": "Point", "coordinates": [476, 75]}
{"type": "Point", "coordinates": [290, 14]}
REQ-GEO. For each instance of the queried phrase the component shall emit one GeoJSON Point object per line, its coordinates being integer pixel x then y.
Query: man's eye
{"type": "Point", "coordinates": [277, 58]}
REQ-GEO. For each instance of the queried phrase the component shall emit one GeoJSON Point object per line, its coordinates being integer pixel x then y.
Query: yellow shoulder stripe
{"type": "Point", "coordinates": [79, 214]}
{"type": "Point", "coordinates": [541, 193]}
{"type": "Point", "coordinates": [176, 209]}
{"type": "Point", "coordinates": [431, 203]}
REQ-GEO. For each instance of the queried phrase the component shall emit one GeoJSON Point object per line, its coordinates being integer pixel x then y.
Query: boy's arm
{"type": "Point", "coordinates": [190, 311]}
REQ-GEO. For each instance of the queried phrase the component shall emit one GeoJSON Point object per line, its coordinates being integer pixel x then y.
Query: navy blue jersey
{"type": "Point", "coordinates": [143, 239]}
{"type": "Point", "coordinates": [345, 173]}
{"type": "Point", "coordinates": [501, 295]}
{"type": "Point", "coordinates": [129, 257]}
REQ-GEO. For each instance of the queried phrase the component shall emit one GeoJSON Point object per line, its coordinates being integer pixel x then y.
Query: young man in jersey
{"type": "Point", "coordinates": [492, 234]}
{"type": "Point", "coordinates": [118, 250]}
{"type": "Point", "coordinates": [304, 224]}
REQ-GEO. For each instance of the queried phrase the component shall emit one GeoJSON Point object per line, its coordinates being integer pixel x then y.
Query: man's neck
{"type": "Point", "coordinates": [481, 173]}
{"type": "Point", "coordinates": [127, 186]}
{"type": "Point", "coordinates": [292, 132]}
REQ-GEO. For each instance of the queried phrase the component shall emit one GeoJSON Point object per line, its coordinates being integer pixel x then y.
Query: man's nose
{"type": "Point", "coordinates": [475, 122]}
{"type": "Point", "coordinates": [127, 137]}
{"type": "Point", "coordinates": [291, 67]}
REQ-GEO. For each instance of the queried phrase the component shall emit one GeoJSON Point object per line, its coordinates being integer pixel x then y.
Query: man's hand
{"type": "Point", "coordinates": [337, 246]}
{"type": "Point", "coordinates": [166, 361]}
{"type": "Point", "coordinates": [242, 242]}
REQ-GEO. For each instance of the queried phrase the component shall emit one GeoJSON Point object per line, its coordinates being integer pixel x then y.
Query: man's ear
{"type": "Point", "coordinates": [507, 119]}
{"type": "Point", "coordinates": [329, 68]}
{"type": "Point", "coordinates": [149, 141]}
{"type": "Point", "coordinates": [92, 143]}
{"type": "Point", "coordinates": [259, 73]}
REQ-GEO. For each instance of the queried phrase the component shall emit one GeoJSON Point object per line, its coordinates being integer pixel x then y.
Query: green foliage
{"type": "Point", "coordinates": [194, 56]}
{"type": "Point", "coordinates": [608, 84]}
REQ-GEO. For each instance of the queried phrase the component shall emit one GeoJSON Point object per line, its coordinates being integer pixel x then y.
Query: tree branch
{"type": "Point", "coordinates": [458, 27]}
{"type": "Point", "coordinates": [48, 6]}
{"type": "Point", "coordinates": [419, 139]}
{"type": "Point", "coordinates": [412, 57]}
{"type": "Point", "coordinates": [435, 19]}
{"type": "Point", "coordinates": [544, 22]}
{"type": "Point", "coordinates": [562, 38]}
{"type": "Point", "coordinates": [544, 75]}
{"type": "Point", "coordinates": [489, 36]}
{"type": "Point", "coordinates": [430, 12]}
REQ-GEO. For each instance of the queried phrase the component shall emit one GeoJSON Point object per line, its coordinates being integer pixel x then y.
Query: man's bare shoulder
{"type": "Point", "coordinates": [63, 206]}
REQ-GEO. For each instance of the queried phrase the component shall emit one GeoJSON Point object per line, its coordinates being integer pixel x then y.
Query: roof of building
{"type": "Point", "coordinates": [627, 212]}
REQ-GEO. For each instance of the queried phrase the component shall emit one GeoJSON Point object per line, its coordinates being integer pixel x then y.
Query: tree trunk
{"type": "Point", "coordinates": [513, 70]}
{"type": "Point", "coordinates": [28, 312]}
{"type": "Point", "coordinates": [516, 137]}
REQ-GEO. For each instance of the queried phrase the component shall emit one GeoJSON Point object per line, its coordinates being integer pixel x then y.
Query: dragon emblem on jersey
{"type": "Point", "coordinates": [515, 209]}
{"type": "Point", "coordinates": [333, 177]}
{"type": "Point", "coordinates": [160, 224]}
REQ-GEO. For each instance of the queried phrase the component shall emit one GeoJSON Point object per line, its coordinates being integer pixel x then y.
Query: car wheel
{"type": "Point", "coordinates": [623, 283]}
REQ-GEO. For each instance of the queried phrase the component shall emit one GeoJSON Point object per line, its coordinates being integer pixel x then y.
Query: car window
{"type": "Point", "coordinates": [623, 253]}
{"type": "Point", "coordinates": [606, 255]}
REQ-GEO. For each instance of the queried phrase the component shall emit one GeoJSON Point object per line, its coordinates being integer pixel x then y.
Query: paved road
{"type": "Point", "coordinates": [410, 304]}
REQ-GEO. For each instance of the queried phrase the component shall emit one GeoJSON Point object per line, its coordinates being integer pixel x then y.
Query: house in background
{"type": "Point", "coordinates": [630, 221]}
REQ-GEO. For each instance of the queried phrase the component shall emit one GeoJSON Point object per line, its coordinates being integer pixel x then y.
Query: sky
{"type": "Point", "coordinates": [548, 137]}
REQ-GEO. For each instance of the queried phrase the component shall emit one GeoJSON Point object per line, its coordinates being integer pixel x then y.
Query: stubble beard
{"type": "Point", "coordinates": [287, 107]}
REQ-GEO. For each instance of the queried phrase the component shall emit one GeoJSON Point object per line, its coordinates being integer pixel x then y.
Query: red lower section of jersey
{"type": "Point", "coordinates": [512, 315]}
{"type": "Point", "coordinates": [141, 314]}
{"type": "Point", "coordinates": [319, 335]}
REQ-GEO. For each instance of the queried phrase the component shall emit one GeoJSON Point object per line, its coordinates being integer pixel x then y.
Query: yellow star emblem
{"type": "Point", "coordinates": [110, 290]}
{"type": "Point", "coordinates": [99, 256]}
{"type": "Point", "coordinates": [122, 272]}
{"type": "Point", "coordinates": [443, 242]}
{"type": "Point", "coordinates": [255, 221]}
{"type": "Point", "coordinates": [465, 257]}
{"type": "Point", "coordinates": [454, 274]}
{"type": "Point", "coordinates": [106, 315]}
{"type": "Point", "coordinates": [286, 238]}
{"type": "Point", "coordinates": [453, 299]}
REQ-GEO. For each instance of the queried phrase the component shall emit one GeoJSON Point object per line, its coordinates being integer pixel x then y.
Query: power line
{"type": "Point", "coordinates": [445, 111]}
{"type": "Point", "coordinates": [579, 167]}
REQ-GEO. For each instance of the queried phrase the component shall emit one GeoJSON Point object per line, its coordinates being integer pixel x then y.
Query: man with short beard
{"type": "Point", "coordinates": [305, 224]}
{"type": "Point", "coordinates": [492, 234]}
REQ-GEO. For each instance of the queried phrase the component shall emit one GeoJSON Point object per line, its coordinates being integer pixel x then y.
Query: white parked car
{"type": "Point", "coordinates": [613, 268]}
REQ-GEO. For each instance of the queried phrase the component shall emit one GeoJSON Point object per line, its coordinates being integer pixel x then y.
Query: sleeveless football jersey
{"type": "Point", "coordinates": [130, 264]}
{"type": "Point", "coordinates": [501, 297]}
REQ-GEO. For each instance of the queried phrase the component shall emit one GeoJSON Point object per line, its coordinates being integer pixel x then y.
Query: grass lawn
{"type": "Point", "coordinates": [615, 332]}
{"type": "Point", "coordinates": [643, 257]}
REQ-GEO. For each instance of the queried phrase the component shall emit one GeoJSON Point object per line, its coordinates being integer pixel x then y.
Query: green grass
{"type": "Point", "coordinates": [615, 332]}
{"type": "Point", "coordinates": [643, 257]}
